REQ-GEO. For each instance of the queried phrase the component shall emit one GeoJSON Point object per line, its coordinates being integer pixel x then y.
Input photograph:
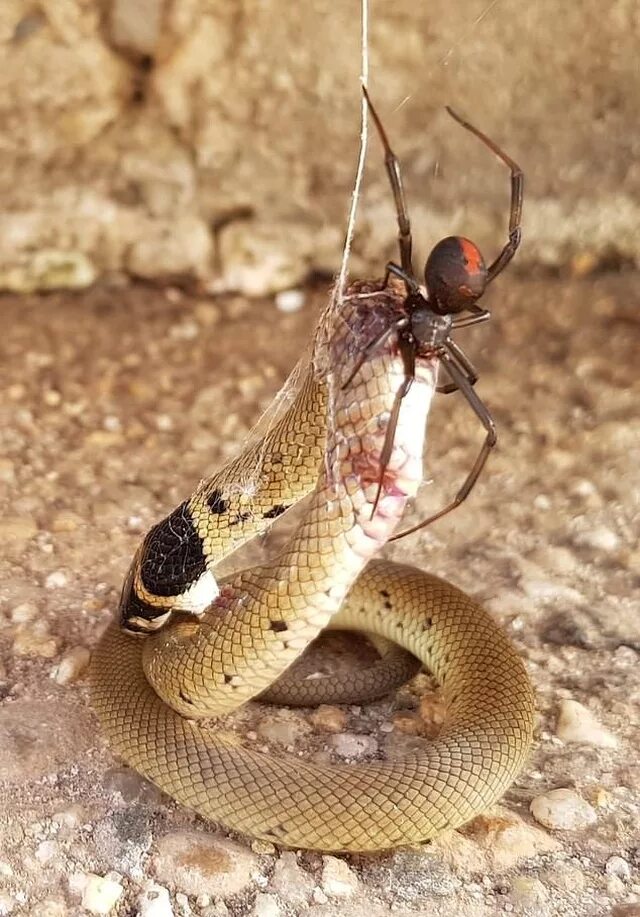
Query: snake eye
{"type": "Point", "coordinates": [455, 275]}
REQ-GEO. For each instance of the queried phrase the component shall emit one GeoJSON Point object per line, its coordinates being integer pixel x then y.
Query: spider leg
{"type": "Point", "coordinates": [373, 345]}
{"type": "Point", "coordinates": [395, 178]}
{"type": "Point", "coordinates": [517, 192]}
{"type": "Point", "coordinates": [478, 316]}
{"type": "Point", "coordinates": [410, 282]}
{"type": "Point", "coordinates": [482, 412]}
{"type": "Point", "coordinates": [406, 345]}
{"type": "Point", "coordinates": [464, 363]}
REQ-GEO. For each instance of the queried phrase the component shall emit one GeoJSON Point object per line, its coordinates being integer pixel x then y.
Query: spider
{"type": "Point", "coordinates": [455, 277]}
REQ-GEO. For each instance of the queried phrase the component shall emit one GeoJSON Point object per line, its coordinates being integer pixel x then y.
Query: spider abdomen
{"type": "Point", "coordinates": [455, 275]}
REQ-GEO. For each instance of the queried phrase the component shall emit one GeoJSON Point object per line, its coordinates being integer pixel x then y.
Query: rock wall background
{"type": "Point", "coordinates": [217, 141]}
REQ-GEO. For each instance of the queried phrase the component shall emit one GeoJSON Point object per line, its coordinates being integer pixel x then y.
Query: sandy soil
{"type": "Point", "coordinates": [116, 402]}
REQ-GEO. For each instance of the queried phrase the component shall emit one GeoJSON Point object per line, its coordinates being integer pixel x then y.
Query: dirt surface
{"type": "Point", "coordinates": [116, 402]}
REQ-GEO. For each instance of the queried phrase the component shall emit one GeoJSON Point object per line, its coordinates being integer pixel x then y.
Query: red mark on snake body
{"type": "Point", "coordinates": [367, 467]}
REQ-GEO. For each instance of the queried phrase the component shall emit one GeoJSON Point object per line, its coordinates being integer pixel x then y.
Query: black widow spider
{"type": "Point", "coordinates": [455, 277]}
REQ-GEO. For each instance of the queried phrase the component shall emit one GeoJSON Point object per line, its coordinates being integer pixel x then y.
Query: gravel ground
{"type": "Point", "coordinates": [116, 402]}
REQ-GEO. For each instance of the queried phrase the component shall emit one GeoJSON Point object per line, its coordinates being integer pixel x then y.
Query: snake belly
{"type": "Point", "coordinates": [150, 693]}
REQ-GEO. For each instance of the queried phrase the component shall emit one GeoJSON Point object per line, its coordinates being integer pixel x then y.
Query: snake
{"type": "Point", "coordinates": [194, 648]}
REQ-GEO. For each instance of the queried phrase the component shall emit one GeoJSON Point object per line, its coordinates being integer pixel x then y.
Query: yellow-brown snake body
{"type": "Point", "coordinates": [148, 693]}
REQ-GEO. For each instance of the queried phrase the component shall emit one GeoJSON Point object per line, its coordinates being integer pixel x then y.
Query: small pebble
{"type": "Point", "coordinates": [280, 731]}
{"type": "Point", "coordinates": [19, 528]}
{"type": "Point", "coordinates": [71, 666]}
{"type": "Point", "coordinates": [196, 863]}
{"type": "Point", "coordinates": [188, 330]}
{"type": "Point", "coordinates": [154, 901]}
{"type": "Point", "coordinates": [350, 745]}
{"type": "Point", "coordinates": [618, 866]}
{"type": "Point", "coordinates": [266, 906]}
{"type": "Point", "coordinates": [577, 723]}
{"type": "Point", "coordinates": [433, 713]}
{"type": "Point", "coordinates": [338, 879]}
{"type": "Point", "coordinates": [541, 590]}
{"type": "Point", "coordinates": [100, 894]}
{"type": "Point", "coordinates": [600, 539]}
{"type": "Point", "coordinates": [7, 904]}
{"type": "Point", "coordinates": [329, 719]}
{"type": "Point", "coordinates": [615, 887]}
{"type": "Point", "coordinates": [292, 883]}
{"type": "Point", "coordinates": [263, 847]}
{"type": "Point", "coordinates": [289, 300]}
{"type": "Point", "coordinates": [562, 809]}
{"type": "Point", "coordinates": [407, 722]}
{"type": "Point", "coordinates": [56, 580]}
{"type": "Point", "coordinates": [529, 893]}
{"type": "Point", "coordinates": [23, 613]}
{"type": "Point", "coordinates": [182, 902]}
{"type": "Point", "coordinates": [35, 640]}
{"type": "Point", "coordinates": [45, 852]}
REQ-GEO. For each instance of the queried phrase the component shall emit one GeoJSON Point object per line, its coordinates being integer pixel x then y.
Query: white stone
{"type": "Point", "coordinates": [618, 866]}
{"type": "Point", "coordinates": [71, 666]}
{"type": "Point", "coordinates": [338, 879]}
{"type": "Point", "coordinates": [562, 809]}
{"type": "Point", "coordinates": [46, 851]}
{"type": "Point", "coordinates": [351, 745]}
{"type": "Point", "coordinates": [290, 300]}
{"type": "Point", "coordinates": [100, 894]}
{"type": "Point", "coordinates": [7, 904]}
{"type": "Point", "coordinates": [56, 580]}
{"type": "Point", "coordinates": [600, 539]}
{"type": "Point", "coordinates": [577, 723]}
{"type": "Point", "coordinates": [23, 613]}
{"type": "Point", "coordinates": [154, 901]}
{"type": "Point", "coordinates": [292, 883]}
{"type": "Point", "coordinates": [266, 906]}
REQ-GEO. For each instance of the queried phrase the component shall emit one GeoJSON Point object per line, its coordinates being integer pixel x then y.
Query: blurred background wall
{"type": "Point", "coordinates": [215, 140]}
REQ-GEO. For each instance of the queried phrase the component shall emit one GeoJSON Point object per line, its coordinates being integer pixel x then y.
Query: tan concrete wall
{"type": "Point", "coordinates": [130, 130]}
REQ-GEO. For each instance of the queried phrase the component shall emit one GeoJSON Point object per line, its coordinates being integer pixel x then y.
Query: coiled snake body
{"type": "Point", "coordinates": [149, 692]}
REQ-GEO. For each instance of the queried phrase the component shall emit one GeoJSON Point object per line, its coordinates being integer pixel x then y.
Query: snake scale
{"type": "Point", "coordinates": [149, 693]}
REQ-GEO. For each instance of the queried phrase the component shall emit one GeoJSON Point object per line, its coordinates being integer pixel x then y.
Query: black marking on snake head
{"type": "Point", "coordinates": [241, 517]}
{"type": "Point", "coordinates": [185, 697]}
{"type": "Point", "coordinates": [172, 557]}
{"type": "Point", "coordinates": [426, 624]}
{"type": "Point", "coordinates": [216, 503]}
{"type": "Point", "coordinates": [278, 626]}
{"type": "Point", "coordinates": [228, 678]}
{"type": "Point", "coordinates": [388, 605]}
{"type": "Point", "coordinates": [384, 593]}
{"type": "Point", "coordinates": [275, 511]}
